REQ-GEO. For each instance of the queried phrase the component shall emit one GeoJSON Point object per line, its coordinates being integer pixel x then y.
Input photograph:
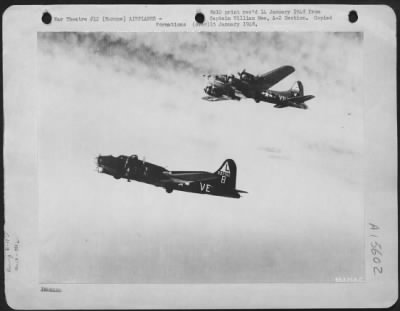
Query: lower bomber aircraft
{"type": "Point", "coordinates": [220, 183]}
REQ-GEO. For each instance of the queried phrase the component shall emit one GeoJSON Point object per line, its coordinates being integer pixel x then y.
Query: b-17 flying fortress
{"type": "Point", "coordinates": [246, 85]}
{"type": "Point", "coordinates": [221, 183]}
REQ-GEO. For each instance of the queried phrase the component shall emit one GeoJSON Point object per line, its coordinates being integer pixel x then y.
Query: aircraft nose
{"type": "Point", "coordinates": [99, 162]}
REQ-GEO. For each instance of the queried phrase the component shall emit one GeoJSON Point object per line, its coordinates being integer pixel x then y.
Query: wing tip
{"type": "Point", "coordinates": [289, 68]}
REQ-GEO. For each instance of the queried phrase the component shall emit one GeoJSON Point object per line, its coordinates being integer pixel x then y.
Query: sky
{"type": "Point", "coordinates": [141, 93]}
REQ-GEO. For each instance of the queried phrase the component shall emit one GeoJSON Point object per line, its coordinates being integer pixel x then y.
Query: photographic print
{"type": "Point", "coordinates": [200, 156]}
{"type": "Point", "coordinates": [212, 157]}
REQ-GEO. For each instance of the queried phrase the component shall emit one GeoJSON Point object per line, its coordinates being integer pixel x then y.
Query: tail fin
{"type": "Point", "coordinates": [227, 173]}
{"type": "Point", "coordinates": [297, 89]}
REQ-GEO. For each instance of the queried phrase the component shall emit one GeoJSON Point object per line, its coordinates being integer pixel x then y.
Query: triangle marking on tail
{"type": "Point", "coordinates": [225, 170]}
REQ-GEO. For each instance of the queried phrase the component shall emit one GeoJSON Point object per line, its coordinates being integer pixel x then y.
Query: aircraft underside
{"type": "Point", "coordinates": [204, 188]}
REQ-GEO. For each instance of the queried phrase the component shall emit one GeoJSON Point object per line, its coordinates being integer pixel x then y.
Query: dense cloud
{"type": "Point", "coordinates": [332, 59]}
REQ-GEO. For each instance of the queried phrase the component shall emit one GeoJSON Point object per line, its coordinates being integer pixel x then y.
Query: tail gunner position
{"type": "Point", "coordinates": [220, 183]}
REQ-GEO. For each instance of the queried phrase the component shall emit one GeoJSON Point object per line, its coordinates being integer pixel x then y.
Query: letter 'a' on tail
{"type": "Point", "coordinates": [298, 98]}
{"type": "Point", "coordinates": [227, 173]}
{"type": "Point", "coordinates": [297, 89]}
{"type": "Point", "coordinates": [227, 178]}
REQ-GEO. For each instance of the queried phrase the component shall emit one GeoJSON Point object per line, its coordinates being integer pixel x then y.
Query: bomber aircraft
{"type": "Point", "coordinates": [224, 87]}
{"type": "Point", "coordinates": [220, 183]}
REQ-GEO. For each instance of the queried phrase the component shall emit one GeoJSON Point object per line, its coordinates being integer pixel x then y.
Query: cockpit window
{"type": "Point", "coordinates": [222, 78]}
{"type": "Point", "coordinates": [245, 76]}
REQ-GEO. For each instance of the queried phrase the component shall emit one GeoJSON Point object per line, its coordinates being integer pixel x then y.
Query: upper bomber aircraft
{"type": "Point", "coordinates": [220, 183]}
{"type": "Point", "coordinates": [224, 87]}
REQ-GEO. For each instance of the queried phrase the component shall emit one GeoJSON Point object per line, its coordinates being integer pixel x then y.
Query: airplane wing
{"type": "Point", "coordinates": [187, 177]}
{"type": "Point", "coordinates": [215, 99]}
{"type": "Point", "coordinates": [271, 78]}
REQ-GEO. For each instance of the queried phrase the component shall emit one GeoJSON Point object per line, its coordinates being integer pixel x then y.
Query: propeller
{"type": "Point", "coordinates": [207, 76]}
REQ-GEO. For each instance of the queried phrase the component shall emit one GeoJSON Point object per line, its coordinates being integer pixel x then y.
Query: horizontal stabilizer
{"type": "Point", "coordinates": [241, 191]}
{"type": "Point", "coordinates": [300, 99]}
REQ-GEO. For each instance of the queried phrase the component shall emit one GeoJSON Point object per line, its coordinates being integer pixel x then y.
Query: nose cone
{"type": "Point", "coordinates": [105, 162]}
{"type": "Point", "coordinates": [99, 160]}
{"type": "Point", "coordinates": [99, 163]}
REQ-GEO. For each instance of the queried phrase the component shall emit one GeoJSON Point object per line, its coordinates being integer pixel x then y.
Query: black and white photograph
{"type": "Point", "coordinates": [200, 157]}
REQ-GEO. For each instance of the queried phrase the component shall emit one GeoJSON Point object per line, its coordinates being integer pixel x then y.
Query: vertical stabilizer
{"type": "Point", "coordinates": [297, 89]}
{"type": "Point", "coordinates": [227, 173]}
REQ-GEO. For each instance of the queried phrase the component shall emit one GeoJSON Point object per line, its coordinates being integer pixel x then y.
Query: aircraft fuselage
{"type": "Point", "coordinates": [131, 168]}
